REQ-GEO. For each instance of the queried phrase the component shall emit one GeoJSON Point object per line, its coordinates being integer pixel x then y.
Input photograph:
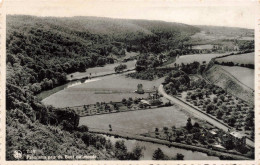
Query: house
{"type": "Point", "coordinates": [237, 138]}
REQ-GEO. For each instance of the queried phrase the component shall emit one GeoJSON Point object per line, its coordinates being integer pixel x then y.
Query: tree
{"type": "Point", "coordinates": [215, 99]}
{"type": "Point", "coordinates": [179, 156]}
{"type": "Point", "coordinates": [193, 96]}
{"type": "Point", "coordinates": [120, 150]}
{"type": "Point", "coordinates": [124, 101]}
{"type": "Point", "coordinates": [196, 125]}
{"type": "Point", "coordinates": [136, 154]}
{"type": "Point", "coordinates": [101, 61]}
{"type": "Point", "coordinates": [67, 125]}
{"type": "Point", "coordinates": [158, 154]}
{"type": "Point", "coordinates": [120, 68]}
{"type": "Point", "coordinates": [231, 121]}
{"type": "Point", "coordinates": [219, 114]}
{"type": "Point", "coordinates": [189, 124]}
{"type": "Point", "coordinates": [83, 128]}
{"type": "Point", "coordinates": [209, 108]}
{"type": "Point", "coordinates": [165, 129]}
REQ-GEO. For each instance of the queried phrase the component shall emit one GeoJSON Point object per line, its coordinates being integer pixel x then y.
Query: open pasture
{"type": "Point", "coordinates": [110, 88]}
{"type": "Point", "coordinates": [137, 122]}
{"type": "Point", "coordinates": [244, 75]}
{"type": "Point", "coordinates": [247, 58]}
{"type": "Point", "coordinates": [186, 59]}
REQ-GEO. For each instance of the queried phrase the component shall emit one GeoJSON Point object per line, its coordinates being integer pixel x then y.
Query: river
{"type": "Point", "coordinates": [149, 148]}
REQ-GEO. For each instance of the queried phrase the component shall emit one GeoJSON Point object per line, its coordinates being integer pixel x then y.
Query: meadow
{"type": "Point", "coordinates": [244, 75]}
{"type": "Point", "coordinates": [186, 59]}
{"type": "Point", "coordinates": [207, 46]}
{"type": "Point", "coordinates": [137, 122]}
{"type": "Point", "coordinates": [101, 70]}
{"type": "Point", "coordinates": [247, 58]}
{"type": "Point", "coordinates": [104, 89]}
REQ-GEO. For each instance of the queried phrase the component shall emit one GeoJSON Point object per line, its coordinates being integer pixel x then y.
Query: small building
{"type": "Point", "coordinates": [212, 133]}
{"type": "Point", "coordinates": [145, 102]}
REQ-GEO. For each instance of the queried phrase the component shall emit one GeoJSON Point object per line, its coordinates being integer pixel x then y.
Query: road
{"type": "Point", "coordinates": [200, 114]}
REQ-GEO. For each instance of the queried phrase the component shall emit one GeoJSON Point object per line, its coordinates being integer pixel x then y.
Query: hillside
{"type": "Point", "coordinates": [227, 31]}
{"type": "Point", "coordinates": [220, 77]}
{"type": "Point", "coordinates": [100, 25]}
{"type": "Point", "coordinates": [224, 36]}
{"type": "Point", "coordinates": [42, 51]}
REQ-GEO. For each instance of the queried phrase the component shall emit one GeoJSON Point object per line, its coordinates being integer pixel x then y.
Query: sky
{"type": "Point", "coordinates": [235, 13]}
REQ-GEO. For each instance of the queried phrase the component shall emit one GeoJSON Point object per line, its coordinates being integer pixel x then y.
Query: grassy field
{"type": "Point", "coordinates": [245, 75]}
{"type": "Point", "coordinates": [137, 122]}
{"type": "Point", "coordinates": [186, 59]}
{"type": "Point", "coordinates": [110, 88]}
{"type": "Point", "coordinates": [207, 46]}
{"type": "Point", "coordinates": [97, 71]}
{"type": "Point", "coordinates": [247, 58]}
{"type": "Point", "coordinates": [221, 77]}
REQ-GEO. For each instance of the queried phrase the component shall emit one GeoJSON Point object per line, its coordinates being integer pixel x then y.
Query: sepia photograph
{"type": "Point", "coordinates": [129, 80]}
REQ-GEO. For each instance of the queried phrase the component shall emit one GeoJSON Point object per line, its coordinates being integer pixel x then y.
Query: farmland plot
{"type": "Point", "coordinates": [137, 122]}
{"type": "Point", "coordinates": [245, 75]}
{"type": "Point", "coordinates": [186, 59]}
{"type": "Point", "coordinates": [247, 58]}
{"type": "Point", "coordinates": [110, 88]}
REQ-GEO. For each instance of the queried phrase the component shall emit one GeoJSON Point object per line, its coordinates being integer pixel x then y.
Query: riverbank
{"type": "Point", "coordinates": [210, 152]}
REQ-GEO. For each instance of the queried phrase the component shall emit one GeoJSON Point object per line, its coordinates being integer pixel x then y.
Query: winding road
{"type": "Point", "coordinates": [200, 114]}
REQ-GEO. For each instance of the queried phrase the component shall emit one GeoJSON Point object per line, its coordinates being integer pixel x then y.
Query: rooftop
{"type": "Point", "coordinates": [237, 134]}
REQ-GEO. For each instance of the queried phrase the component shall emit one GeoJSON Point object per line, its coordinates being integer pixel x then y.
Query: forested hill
{"type": "Point", "coordinates": [50, 48]}
{"type": "Point", "coordinates": [42, 51]}
{"type": "Point", "coordinates": [99, 25]}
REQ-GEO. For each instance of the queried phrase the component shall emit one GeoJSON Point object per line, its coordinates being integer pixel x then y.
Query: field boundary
{"type": "Point", "coordinates": [119, 111]}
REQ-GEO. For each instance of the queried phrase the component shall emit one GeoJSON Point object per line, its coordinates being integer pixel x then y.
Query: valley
{"type": "Point", "coordinates": [103, 83]}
